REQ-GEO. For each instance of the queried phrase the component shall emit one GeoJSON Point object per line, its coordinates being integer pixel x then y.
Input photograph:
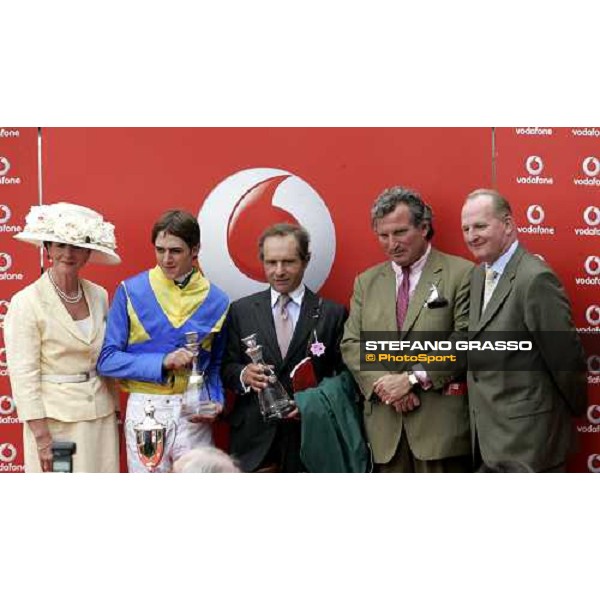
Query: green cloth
{"type": "Point", "coordinates": [332, 438]}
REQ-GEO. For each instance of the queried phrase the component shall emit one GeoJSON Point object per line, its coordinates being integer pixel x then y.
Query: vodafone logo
{"type": "Point", "coordinates": [7, 405]}
{"type": "Point", "coordinates": [5, 262]}
{"type": "Point", "coordinates": [240, 208]}
{"type": "Point", "coordinates": [593, 463]}
{"type": "Point", "coordinates": [8, 453]}
{"type": "Point", "coordinates": [4, 165]}
{"type": "Point", "coordinates": [535, 214]}
{"type": "Point", "coordinates": [592, 265]}
{"type": "Point", "coordinates": [591, 166]}
{"type": "Point", "coordinates": [593, 414]}
{"type": "Point", "coordinates": [5, 265]}
{"type": "Point", "coordinates": [3, 362]}
{"type": "Point", "coordinates": [5, 214]}
{"type": "Point", "coordinates": [592, 314]}
{"type": "Point", "coordinates": [534, 165]}
{"type": "Point", "coordinates": [591, 215]}
{"type": "Point", "coordinates": [593, 364]}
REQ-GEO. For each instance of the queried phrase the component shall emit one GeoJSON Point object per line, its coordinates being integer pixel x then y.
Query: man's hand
{"type": "Point", "coordinates": [392, 388]}
{"type": "Point", "coordinates": [255, 377]}
{"type": "Point", "coordinates": [178, 359]}
{"type": "Point", "coordinates": [294, 415]}
{"type": "Point", "coordinates": [407, 403]}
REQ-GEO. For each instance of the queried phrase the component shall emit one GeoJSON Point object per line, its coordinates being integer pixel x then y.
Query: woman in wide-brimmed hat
{"type": "Point", "coordinates": [54, 330]}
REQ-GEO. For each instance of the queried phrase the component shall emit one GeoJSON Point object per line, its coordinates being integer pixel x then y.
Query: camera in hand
{"type": "Point", "coordinates": [62, 456]}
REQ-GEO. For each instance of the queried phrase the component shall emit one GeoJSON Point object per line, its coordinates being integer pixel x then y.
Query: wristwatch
{"type": "Point", "coordinates": [413, 379]}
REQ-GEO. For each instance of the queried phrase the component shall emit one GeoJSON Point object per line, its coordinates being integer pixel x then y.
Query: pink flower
{"type": "Point", "coordinates": [317, 349]}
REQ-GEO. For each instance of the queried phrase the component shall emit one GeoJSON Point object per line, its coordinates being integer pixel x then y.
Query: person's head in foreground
{"type": "Point", "coordinates": [206, 459]}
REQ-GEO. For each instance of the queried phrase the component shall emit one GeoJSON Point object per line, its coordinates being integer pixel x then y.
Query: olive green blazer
{"type": "Point", "coordinates": [439, 427]}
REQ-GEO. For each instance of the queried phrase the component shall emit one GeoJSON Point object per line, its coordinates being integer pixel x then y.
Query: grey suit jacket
{"type": "Point", "coordinates": [439, 428]}
{"type": "Point", "coordinates": [525, 415]}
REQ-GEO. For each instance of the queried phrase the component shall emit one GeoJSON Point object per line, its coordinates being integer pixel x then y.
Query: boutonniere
{"type": "Point", "coordinates": [317, 348]}
{"type": "Point", "coordinates": [435, 299]}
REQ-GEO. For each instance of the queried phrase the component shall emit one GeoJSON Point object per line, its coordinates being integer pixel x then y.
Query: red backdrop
{"type": "Point", "coordinates": [18, 191]}
{"type": "Point", "coordinates": [132, 175]}
{"type": "Point", "coordinates": [552, 178]}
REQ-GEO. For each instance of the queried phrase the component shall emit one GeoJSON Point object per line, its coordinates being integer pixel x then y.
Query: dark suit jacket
{"type": "Point", "coordinates": [439, 428]}
{"type": "Point", "coordinates": [251, 438]}
{"type": "Point", "coordinates": [526, 415]}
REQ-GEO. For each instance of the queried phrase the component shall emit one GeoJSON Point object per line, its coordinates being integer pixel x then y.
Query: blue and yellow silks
{"type": "Point", "coordinates": [148, 318]}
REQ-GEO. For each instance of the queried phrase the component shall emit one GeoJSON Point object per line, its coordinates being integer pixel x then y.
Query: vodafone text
{"type": "Point", "coordinates": [534, 131]}
{"type": "Point", "coordinates": [587, 231]}
{"type": "Point", "coordinates": [4, 180]}
{"type": "Point", "coordinates": [536, 230]}
{"type": "Point", "coordinates": [586, 132]}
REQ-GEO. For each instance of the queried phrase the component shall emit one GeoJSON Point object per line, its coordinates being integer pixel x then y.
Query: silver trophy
{"type": "Point", "coordinates": [150, 438]}
{"type": "Point", "coordinates": [195, 400]}
{"type": "Point", "coordinates": [273, 401]}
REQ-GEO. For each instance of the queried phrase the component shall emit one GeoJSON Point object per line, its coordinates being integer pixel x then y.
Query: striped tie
{"type": "Point", "coordinates": [283, 324]}
{"type": "Point", "coordinates": [402, 298]}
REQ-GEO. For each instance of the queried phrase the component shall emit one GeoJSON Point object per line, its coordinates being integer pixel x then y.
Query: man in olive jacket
{"type": "Point", "coordinates": [416, 419]}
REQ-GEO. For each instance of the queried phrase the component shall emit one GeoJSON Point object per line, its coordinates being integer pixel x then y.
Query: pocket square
{"type": "Point", "coordinates": [435, 299]}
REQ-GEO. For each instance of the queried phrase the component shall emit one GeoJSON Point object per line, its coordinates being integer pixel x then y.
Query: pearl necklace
{"type": "Point", "coordinates": [68, 299]}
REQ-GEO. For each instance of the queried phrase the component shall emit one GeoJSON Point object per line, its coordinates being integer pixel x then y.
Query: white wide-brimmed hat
{"type": "Point", "coordinates": [72, 224]}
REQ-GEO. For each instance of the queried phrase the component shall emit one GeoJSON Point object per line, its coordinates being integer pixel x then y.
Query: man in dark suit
{"type": "Point", "coordinates": [314, 329]}
{"type": "Point", "coordinates": [416, 418]}
{"type": "Point", "coordinates": [521, 404]}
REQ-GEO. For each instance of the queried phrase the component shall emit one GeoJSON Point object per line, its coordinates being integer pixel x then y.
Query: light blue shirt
{"type": "Point", "coordinates": [500, 264]}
